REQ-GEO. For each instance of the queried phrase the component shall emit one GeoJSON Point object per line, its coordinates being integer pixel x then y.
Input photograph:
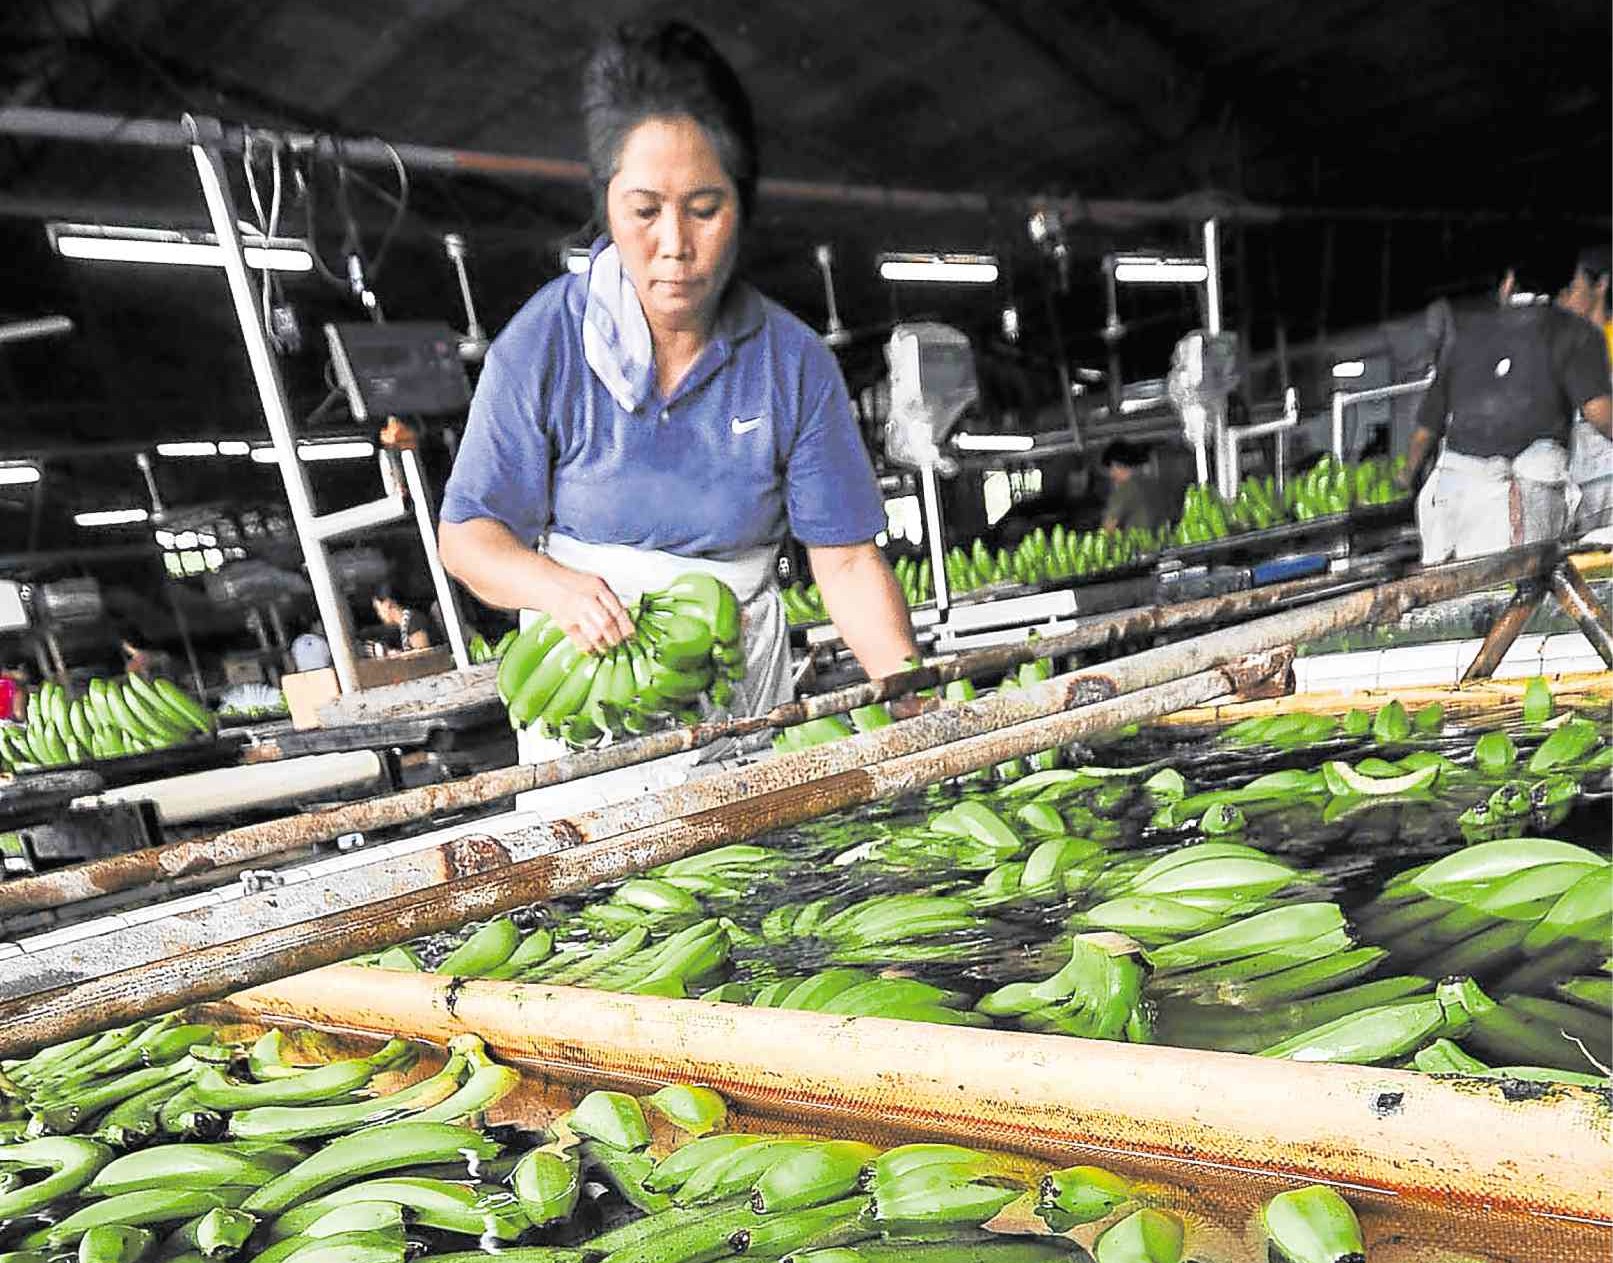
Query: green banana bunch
{"type": "Point", "coordinates": [129, 715]}
{"type": "Point", "coordinates": [481, 651]}
{"type": "Point", "coordinates": [1097, 995]}
{"type": "Point", "coordinates": [686, 646]}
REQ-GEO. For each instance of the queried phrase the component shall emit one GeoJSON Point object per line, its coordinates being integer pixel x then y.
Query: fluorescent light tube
{"type": "Point", "coordinates": [155, 245]}
{"type": "Point", "coordinates": [234, 447]}
{"type": "Point", "coordinates": [1349, 368]}
{"type": "Point", "coordinates": [993, 442]}
{"type": "Point", "coordinates": [1136, 270]}
{"type": "Point", "coordinates": [111, 517]}
{"type": "Point", "coordinates": [954, 269]}
{"type": "Point", "coordinates": [199, 448]}
{"type": "Point", "coordinates": [356, 449]}
{"type": "Point", "coordinates": [18, 475]}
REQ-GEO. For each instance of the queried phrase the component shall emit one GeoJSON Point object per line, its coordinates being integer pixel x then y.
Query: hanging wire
{"type": "Point", "coordinates": [268, 225]}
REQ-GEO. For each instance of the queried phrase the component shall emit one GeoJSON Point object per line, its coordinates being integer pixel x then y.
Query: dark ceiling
{"type": "Point", "coordinates": [1396, 150]}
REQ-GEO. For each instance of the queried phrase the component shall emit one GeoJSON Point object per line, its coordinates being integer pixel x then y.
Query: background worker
{"type": "Point", "coordinates": [1508, 379]}
{"type": "Point", "coordinates": [1591, 461]}
{"type": "Point", "coordinates": [406, 628]}
{"type": "Point", "coordinates": [658, 415]}
{"type": "Point", "coordinates": [1140, 493]}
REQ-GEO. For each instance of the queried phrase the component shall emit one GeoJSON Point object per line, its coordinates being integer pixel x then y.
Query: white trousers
{"type": "Point", "coordinates": [1473, 506]}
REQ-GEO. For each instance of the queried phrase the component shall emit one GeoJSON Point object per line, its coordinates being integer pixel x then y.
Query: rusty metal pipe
{"type": "Point", "coordinates": [1580, 604]}
{"type": "Point", "coordinates": [310, 934]}
{"type": "Point", "coordinates": [1504, 631]}
{"type": "Point", "coordinates": [79, 976]}
{"type": "Point", "coordinates": [255, 842]}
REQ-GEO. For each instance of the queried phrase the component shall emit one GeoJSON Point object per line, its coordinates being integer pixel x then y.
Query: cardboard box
{"type": "Point", "coordinates": [307, 691]}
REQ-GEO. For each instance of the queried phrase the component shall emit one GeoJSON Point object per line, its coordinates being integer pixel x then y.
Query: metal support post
{"type": "Point", "coordinates": [207, 138]}
{"type": "Point", "coordinates": [1504, 631]}
{"type": "Point", "coordinates": [1580, 604]}
{"type": "Point", "coordinates": [447, 597]}
{"type": "Point", "coordinates": [1343, 399]}
{"type": "Point", "coordinates": [936, 535]}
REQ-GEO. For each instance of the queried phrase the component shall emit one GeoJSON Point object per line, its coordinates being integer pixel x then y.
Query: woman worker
{"type": "Point", "coordinates": [659, 415]}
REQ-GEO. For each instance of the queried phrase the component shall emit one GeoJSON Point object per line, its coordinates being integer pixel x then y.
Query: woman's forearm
{"type": "Point", "coordinates": [487, 558]}
{"type": "Point", "coordinates": [866, 603]}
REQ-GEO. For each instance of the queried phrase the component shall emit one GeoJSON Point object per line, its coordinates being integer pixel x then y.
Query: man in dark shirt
{"type": "Point", "coordinates": [1141, 493]}
{"type": "Point", "coordinates": [1508, 380]}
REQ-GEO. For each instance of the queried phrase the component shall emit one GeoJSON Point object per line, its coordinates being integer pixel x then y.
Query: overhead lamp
{"type": "Point", "coordinates": [576, 260]}
{"type": "Point", "coordinates": [18, 475]}
{"type": "Point", "coordinates": [1151, 269]}
{"type": "Point", "coordinates": [201, 447]}
{"type": "Point", "coordinates": [355, 449]}
{"type": "Point", "coordinates": [111, 517]}
{"type": "Point", "coordinates": [993, 442]}
{"type": "Point", "coordinates": [124, 244]}
{"type": "Point", "coordinates": [347, 449]}
{"type": "Point", "coordinates": [234, 447]}
{"type": "Point", "coordinates": [948, 269]}
{"type": "Point", "coordinates": [1350, 368]}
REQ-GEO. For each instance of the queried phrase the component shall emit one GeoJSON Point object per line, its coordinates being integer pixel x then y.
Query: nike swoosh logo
{"type": "Point", "coordinates": [745, 427]}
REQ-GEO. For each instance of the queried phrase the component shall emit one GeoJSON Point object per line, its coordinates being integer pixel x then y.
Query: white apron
{"type": "Point", "coordinates": [631, 572]}
{"type": "Point", "coordinates": [1473, 506]}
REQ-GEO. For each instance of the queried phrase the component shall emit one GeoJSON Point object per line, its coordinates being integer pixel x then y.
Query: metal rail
{"type": "Point", "coordinates": [256, 843]}
{"type": "Point", "coordinates": [151, 133]}
{"type": "Point", "coordinates": [1343, 399]}
{"type": "Point", "coordinates": [67, 989]}
{"type": "Point", "coordinates": [157, 967]}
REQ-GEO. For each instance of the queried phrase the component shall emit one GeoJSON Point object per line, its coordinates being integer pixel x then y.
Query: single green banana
{"type": "Point", "coordinates": [1313, 1225]}
{"type": "Point", "coordinates": [811, 1177]}
{"type": "Point", "coordinates": [148, 1206]}
{"type": "Point", "coordinates": [614, 1118]}
{"type": "Point", "coordinates": [547, 1184]}
{"type": "Point", "coordinates": [181, 1166]}
{"type": "Point", "coordinates": [220, 1233]}
{"type": "Point", "coordinates": [837, 1222]}
{"type": "Point", "coordinates": [388, 1147]}
{"type": "Point", "coordinates": [114, 1243]}
{"type": "Point", "coordinates": [1144, 1236]}
{"type": "Point", "coordinates": [1079, 1195]}
{"type": "Point", "coordinates": [484, 951]}
{"type": "Point", "coordinates": [693, 1109]}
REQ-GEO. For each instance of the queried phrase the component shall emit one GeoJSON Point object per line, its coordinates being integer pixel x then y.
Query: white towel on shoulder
{"type": "Point", "coordinates": [615, 335]}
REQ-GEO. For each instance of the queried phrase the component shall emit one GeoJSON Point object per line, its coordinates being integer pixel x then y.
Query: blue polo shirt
{"type": "Point", "coordinates": [758, 438]}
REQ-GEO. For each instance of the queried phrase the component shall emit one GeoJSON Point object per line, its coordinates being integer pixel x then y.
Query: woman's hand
{"type": "Point", "coordinates": [586, 608]}
{"type": "Point", "coordinates": [502, 571]}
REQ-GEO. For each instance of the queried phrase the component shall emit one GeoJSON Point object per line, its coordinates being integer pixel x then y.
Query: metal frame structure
{"type": "Point", "coordinates": [314, 530]}
{"type": "Point", "coordinates": [1277, 428]}
{"type": "Point", "coordinates": [1343, 399]}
